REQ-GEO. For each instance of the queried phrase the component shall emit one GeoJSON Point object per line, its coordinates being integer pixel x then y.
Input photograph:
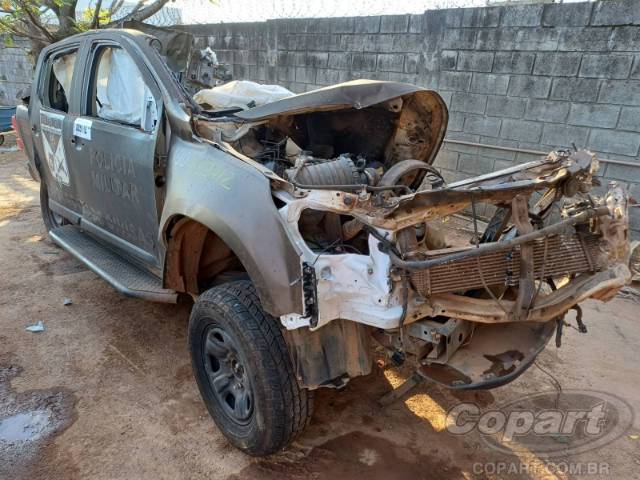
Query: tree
{"type": "Point", "coordinates": [48, 21]}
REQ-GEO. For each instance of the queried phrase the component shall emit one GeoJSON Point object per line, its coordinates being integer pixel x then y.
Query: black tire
{"type": "Point", "coordinates": [268, 409]}
{"type": "Point", "coordinates": [51, 219]}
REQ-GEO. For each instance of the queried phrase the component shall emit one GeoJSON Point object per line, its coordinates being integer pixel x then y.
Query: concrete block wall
{"type": "Point", "coordinates": [534, 77]}
{"type": "Point", "coordinates": [16, 70]}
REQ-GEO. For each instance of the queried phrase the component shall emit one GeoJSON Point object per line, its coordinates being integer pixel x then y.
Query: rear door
{"type": "Point", "coordinates": [52, 106]}
{"type": "Point", "coordinates": [114, 142]}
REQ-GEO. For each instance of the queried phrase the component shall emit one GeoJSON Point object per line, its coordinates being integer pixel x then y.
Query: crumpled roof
{"type": "Point", "coordinates": [176, 45]}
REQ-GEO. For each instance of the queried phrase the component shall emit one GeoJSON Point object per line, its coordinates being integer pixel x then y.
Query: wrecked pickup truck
{"type": "Point", "coordinates": [310, 230]}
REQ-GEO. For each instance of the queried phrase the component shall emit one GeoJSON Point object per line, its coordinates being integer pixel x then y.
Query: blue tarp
{"type": "Point", "coordinates": [5, 118]}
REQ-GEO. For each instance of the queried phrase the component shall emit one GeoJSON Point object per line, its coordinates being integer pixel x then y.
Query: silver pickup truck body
{"type": "Point", "coordinates": [328, 203]}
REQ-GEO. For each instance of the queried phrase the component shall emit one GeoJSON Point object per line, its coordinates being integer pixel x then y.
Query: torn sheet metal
{"type": "Point", "coordinates": [175, 45]}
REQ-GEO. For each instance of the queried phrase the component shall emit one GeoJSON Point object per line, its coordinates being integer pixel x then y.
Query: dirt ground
{"type": "Point", "coordinates": [106, 391]}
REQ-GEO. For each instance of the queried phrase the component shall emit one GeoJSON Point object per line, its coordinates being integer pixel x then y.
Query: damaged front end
{"type": "Point", "coordinates": [473, 316]}
{"type": "Point", "coordinates": [352, 179]}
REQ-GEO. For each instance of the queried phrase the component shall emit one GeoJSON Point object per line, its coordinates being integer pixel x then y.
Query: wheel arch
{"type": "Point", "coordinates": [199, 252]}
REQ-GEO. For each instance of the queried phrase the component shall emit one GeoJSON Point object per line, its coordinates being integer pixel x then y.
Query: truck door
{"type": "Point", "coordinates": [50, 119]}
{"type": "Point", "coordinates": [114, 142]}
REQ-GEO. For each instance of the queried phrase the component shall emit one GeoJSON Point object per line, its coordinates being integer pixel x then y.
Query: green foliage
{"type": "Point", "coordinates": [47, 21]}
{"type": "Point", "coordinates": [30, 18]}
{"type": "Point", "coordinates": [85, 22]}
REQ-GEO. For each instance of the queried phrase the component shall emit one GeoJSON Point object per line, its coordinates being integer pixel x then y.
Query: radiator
{"type": "Point", "coordinates": [566, 255]}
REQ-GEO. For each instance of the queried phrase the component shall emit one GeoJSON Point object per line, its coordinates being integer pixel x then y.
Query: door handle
{"type": "Point", "coordinates": [73, 140]}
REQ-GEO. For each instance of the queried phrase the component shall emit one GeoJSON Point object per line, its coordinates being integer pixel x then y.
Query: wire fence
{"type": "Point", "coordinates": [166, 17]}
{"type": "Point", "coordinates": [230, 11]}
{"type": "Point", "coordinates": [195, 12]}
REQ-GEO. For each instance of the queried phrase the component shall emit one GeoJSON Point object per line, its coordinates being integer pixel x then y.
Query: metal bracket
{"type": "Point", "coordinates": [445, 337]}
{"type": "Point", "coordinates": [310, 293]}
{"type": "Point", "coordinates": [526, 289]}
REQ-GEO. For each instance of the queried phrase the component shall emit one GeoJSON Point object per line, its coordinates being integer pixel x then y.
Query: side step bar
{"type": "Point", "coordinates": [122, 275]}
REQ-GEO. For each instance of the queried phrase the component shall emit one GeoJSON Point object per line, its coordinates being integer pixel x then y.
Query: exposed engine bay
{"type": "Point", "coordinates": [352, 177]}
{"type": "Point", "coordinates": [384, 149]}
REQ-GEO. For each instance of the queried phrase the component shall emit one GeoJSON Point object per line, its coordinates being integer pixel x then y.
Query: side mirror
{"type": "Point", "coordinates": [149, 118]}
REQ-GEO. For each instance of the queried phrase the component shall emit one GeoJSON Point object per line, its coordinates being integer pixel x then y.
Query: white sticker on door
{"type": "Point", "coordinates": [51, 127]}
{"type": "Point", "coordinates": [82, 128]}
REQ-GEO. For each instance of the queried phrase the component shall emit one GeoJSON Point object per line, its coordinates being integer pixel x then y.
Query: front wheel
{"type": "Point", "coordinates": [244, 372]}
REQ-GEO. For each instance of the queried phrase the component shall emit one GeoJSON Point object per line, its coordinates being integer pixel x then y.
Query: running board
{"type": "Point", "coordinates": [122, 275]}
